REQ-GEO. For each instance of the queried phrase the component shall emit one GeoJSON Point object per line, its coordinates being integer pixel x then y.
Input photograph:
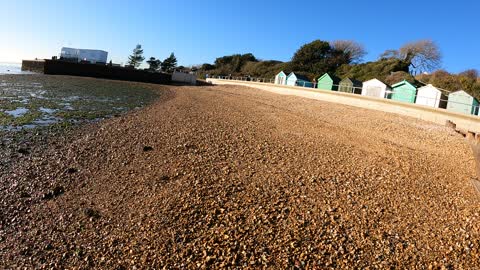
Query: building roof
{"type": "Point", "coordinates": [91, 50]}
{"type": "Point", "coordinates": [462, 92]}
{"type": "Point", "coordinates": [430, 86]}
{"type": "Point", "coordinates": [375, 79]}
{"type": "Point", "coordinates": [300, 76]}
{"type": "Point", "coordinates": [335, 79]}
{"type": "Point", "coordinates": [402, 83]}
{"type": "Point", "coordinates": [353, 81]}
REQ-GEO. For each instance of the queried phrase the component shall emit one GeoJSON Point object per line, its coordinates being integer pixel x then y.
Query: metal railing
{"type": "Point", "coordinates": [435, 102]}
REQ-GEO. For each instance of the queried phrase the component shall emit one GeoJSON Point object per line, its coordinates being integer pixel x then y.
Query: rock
{"type": "Point", "coordinates": [91, 213]}
{"type": "Point", "coordinates": [58, 190]}
{"type": "Point", "coordinates": [23, 151]}
{"type": "Point", "coordinates": [71, 170]}
{"type": "Point", "coordinates": [147, 148]}
{"type": "Point", "coordinates": [24, 195]}
{"type": "Point", "coordinates": [55, 192]}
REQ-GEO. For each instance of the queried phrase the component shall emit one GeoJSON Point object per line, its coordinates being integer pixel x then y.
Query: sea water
{"type": "Point", "coordinates": [12, 68]}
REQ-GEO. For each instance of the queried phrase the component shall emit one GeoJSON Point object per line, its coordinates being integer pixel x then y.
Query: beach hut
{"type": "Point", "coordinates": [431, 96]}
{"type": "Point", "coordinates": [404, 91]}
{"type": "Point", "coordinates": [328, 82]}
{"type": "Point", "coordinates": [349, 85]}
{"type": "Point", "coordinates": [375, 88]}
{"type": "Point", "coordinates": [462, 102]}
{"type": "Point", "coordinates": [281, 78]}
{"type": "Point", "coordinates": [294, 79]}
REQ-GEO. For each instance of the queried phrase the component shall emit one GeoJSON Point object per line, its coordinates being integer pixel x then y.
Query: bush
{"type": "Point", "coordinates": [380, 69]}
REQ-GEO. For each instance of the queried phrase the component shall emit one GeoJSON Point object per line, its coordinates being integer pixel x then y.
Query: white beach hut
{"type": "Point", "coordinates": [281, 78]}
{"type": "Point", "coordinates": [431, 96]}
{"type": "Point", "coordinates": [375, 88]}
{"type": "Point", "coordinates": [462, 102]}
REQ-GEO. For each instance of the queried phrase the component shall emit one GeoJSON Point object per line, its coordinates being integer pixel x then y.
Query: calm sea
{"type": "Point", "coordinates": [12, 68]}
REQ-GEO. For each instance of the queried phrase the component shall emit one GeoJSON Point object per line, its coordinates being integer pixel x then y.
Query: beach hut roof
{"type": "Point", "coordinates": [300, 76]}
{"type": "Point", "coordinates": [334, 78]}
{"type": "Point", "coordinates": [462, 92]}
{"type": "Point", "coordinates": [402, 83]}
{"type": "Point", "coordinates": [353, 81]}
{"type": "Point", "coordinates": [375, 79]}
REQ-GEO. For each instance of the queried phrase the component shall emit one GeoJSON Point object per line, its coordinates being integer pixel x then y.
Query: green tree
{"type": "Point", "coordinates": [154, 64]}
{"type": "Point", "coordinates": [136, 58]}
{"type": "Point", "coordinates": [207, 67]}
{"type": "Point", "coordinates": [169, 64]}
{"type": "Point", "coordinates": [318, 57]}
{"type": "Point", "coordinates": [380, 69]}
{"type": "Point", "coordinates": [233, 64]}
{"type": "Point", "coordinates": [398, 76]}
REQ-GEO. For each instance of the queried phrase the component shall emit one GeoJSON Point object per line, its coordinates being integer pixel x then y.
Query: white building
{"type": "Point", "coordinates": [294, 79]}
{"type": "Point", "coordinates": [431, 96]}
{"type": "Point", "coordinates": [182, 77]}
{"type": "Point", "coordinates": [281, 78]}
{"type": "Point", "coordinates": [375, 88]}
{"type": "Point", "coordinates": [92, 56]}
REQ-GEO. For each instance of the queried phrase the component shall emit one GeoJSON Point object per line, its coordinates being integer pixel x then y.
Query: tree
{"type": "Point", "coordinates": [468, 79]}
{"type": "Point", "coordinates": [445, 80]}
{"type": "Point", "coordinates": [318, 57]}
{"type": "Point", "coordinates": [469, 73]}
{"type": "Point", "coordinates": [154, 64]}
{"type": "Point", "coordinates": [379, 69]}
{"type": "Point", "coordinates": [232, 64]}
{"type": "Point", "coordinates": [420, 56]}
{"type": "Point", "coordinates": [312, 53]}
{"type": "Point", "coordinates": [389, 54]}
{"type": "Point", "coordinates": [136, 58]}
{"type": "Point", "coordinates": [353, 51]}
{"type": "Point", "coordinates": [398, 76]}
{"type": "Point", "coordinates": [169, 63]}
{"type": "Point", "coordinates": [207, 67]}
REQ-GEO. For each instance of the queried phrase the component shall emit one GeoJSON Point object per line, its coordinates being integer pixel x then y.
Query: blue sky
{"type": "Point", "coordinates": [199, 31]}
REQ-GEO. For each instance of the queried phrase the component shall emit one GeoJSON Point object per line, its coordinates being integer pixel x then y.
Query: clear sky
{"type": "Point", "coordinates": [198, 31]}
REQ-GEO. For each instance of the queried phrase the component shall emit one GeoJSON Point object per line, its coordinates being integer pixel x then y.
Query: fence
{"type": "Point", "coordinates": [435, 102]}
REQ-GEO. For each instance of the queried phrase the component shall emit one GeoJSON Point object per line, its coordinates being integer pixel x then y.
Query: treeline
{"type": "Point", "coordinates": [169, 64]}
{"type": "Point", "coordinates": [343, 58]}
{"type": "Point", "coordinates": [242, 65]}
{"type": "Point", "coordinates": [468, 80]}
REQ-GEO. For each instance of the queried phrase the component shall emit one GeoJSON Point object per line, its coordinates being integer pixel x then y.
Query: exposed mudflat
{"type": "Point", "coordinates": [234, 177]}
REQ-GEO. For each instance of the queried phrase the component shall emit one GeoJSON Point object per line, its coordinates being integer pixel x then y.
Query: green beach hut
{"type": "Point", "coordinates": [404, 91]}
{"type": "Point", "coordinates": [328, 82]}
{"type": "Point", "coordinates": [462, 102]}
{"type": "Point", "coordinates": [349, 85]}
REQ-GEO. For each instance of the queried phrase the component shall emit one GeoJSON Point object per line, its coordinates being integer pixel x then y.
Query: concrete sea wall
{"type": "Point", "coordinates": [435, 115]}
{"type": "Point", "coordinates": [56, 67]}
{"type": "Point", "coordinates": [33, 65]}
